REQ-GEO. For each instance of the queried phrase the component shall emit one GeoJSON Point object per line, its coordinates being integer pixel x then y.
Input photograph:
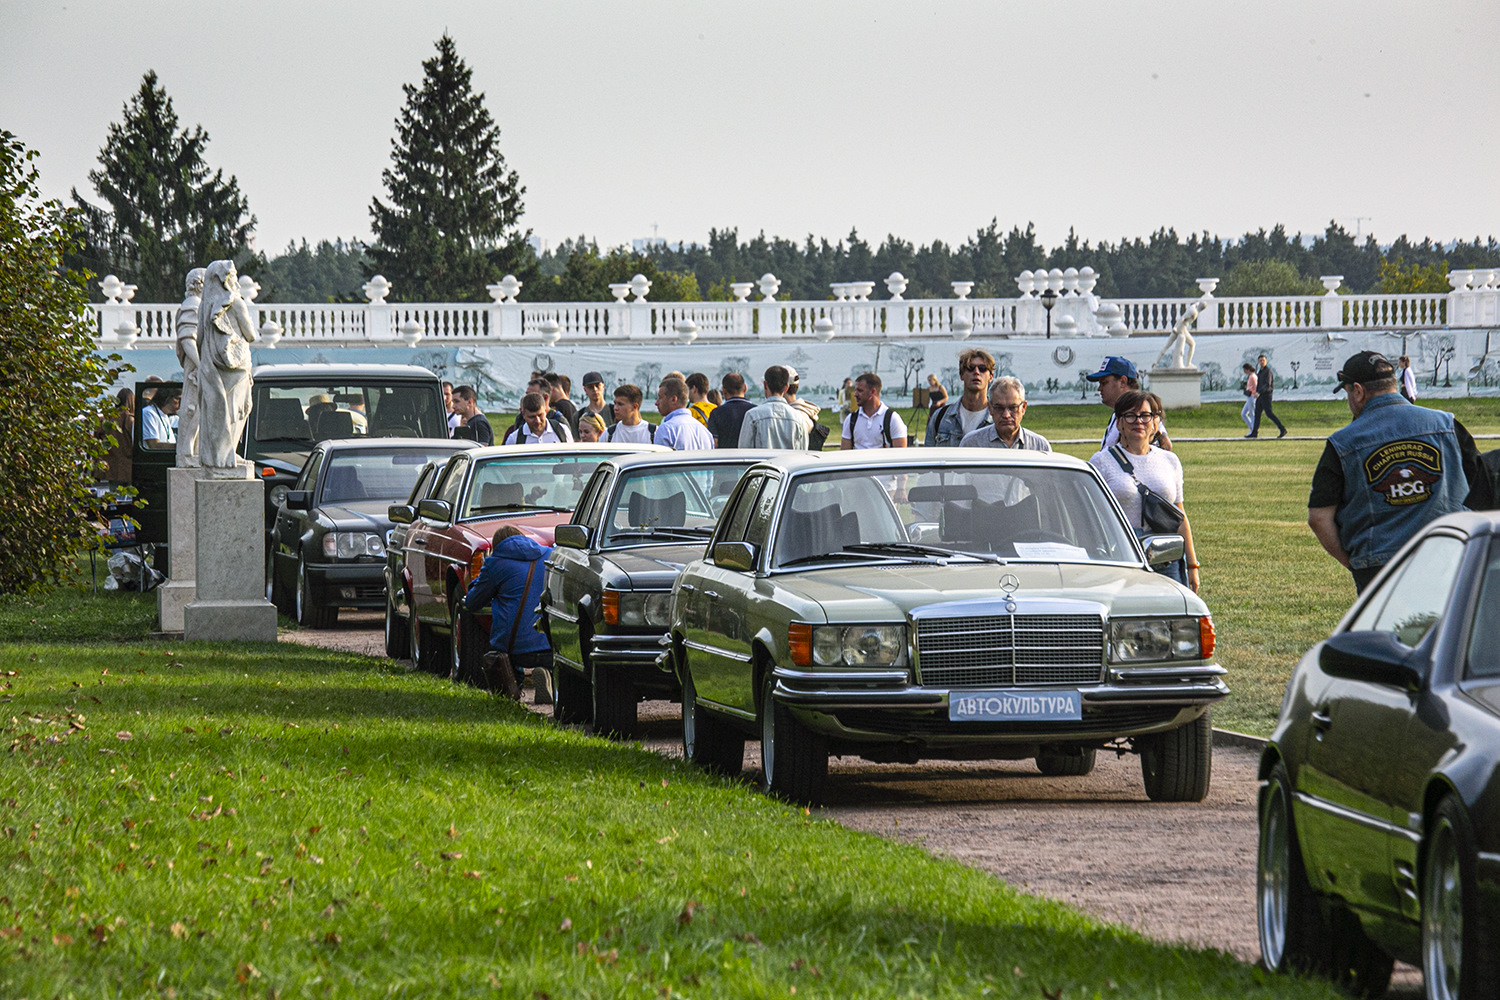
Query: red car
{"type": "Point", "coordinates": [534, 487]}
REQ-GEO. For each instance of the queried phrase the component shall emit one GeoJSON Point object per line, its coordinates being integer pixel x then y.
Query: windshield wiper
{"type": "Point", "coordinates": [846, 553]}
{"type": "Point", "coordinates": [504, 507]}
{"type": "Point", "coordinates": [677, 532]}
{"type": "Point", "coordinates": [917, 548]}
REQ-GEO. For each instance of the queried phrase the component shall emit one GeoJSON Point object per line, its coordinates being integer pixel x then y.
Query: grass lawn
{"type": "Point", "coordinates": [183, 820]}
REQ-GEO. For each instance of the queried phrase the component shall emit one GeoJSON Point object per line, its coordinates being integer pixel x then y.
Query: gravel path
{"type": "Point", "coordinates": [1180, 873]}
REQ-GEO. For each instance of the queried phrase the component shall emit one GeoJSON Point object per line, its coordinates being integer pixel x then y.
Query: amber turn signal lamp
{"type": "Point", "coordinates": [611, 607]}
{"type": "Point", "coordinates": [476, 563]}
{"type": "Point", "coordinates": [799, 638]}
{"type": "Point", "coordinates": [1206, 636]}
{"type": "Point", "coordinates": [267, 472]}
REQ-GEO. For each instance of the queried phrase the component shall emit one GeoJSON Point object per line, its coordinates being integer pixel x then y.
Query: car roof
{"type": "Point", "coordinates": [315, 372]}
{"type": "Point", "coordinates": [725, 456]}
{"type": "Point", "coordinates": [388, 443]}
{"type": "Point", "coordinates": [1473, 522]}
{"type": "Point", "coordinates": [562, 448]}
{"type": "Point", "coordinates": [801, 461]}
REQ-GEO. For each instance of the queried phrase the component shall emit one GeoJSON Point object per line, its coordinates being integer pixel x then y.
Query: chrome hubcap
{"type": "Point", "coordinates": [1272, 875]}
{"type": "Point", "coordinates": [1442, 916]}
{"type": "Point", "coordinates": [768, 741]}
{"type": "Point", "coordinates": [689, 713]}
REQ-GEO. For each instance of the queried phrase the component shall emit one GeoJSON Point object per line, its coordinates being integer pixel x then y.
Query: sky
{"type": "Point", "coordinates": [669, 118]}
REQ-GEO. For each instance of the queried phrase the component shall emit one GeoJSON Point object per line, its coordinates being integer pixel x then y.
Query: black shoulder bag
{"type": "Point", "coordinates": [1159, 516]}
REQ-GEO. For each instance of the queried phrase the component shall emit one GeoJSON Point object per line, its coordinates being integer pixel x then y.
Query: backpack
{"type": "Point", "coordinates": [885, 430]}
{"type": "Point", "coordinates": [609, 434]}
{"type": "Point", "coordinates": [559, 427]}
{"type": "Point", "coordinates": [701, 411]}
{"type": "Point", "coordinates": [817, 436]}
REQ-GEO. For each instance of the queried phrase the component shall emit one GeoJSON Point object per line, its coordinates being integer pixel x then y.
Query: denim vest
{"type": "Point", "coordinates": [1402, 468]}
{"type": "Point", "coordinates": [945, 428]}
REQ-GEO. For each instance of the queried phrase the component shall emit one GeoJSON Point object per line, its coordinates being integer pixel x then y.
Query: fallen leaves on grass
{"type": "Point", "coordinates": [566, 925]}
{"type": "Point", "coordinates": [686, 916]}
{"type": "Point", "coordinates": [178, 930]}
{"type": "Point", "coordinates": [244, 972]}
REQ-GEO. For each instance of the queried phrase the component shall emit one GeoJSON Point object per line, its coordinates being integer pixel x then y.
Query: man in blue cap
{"type": "Point", "coordinates": [1116, 377]}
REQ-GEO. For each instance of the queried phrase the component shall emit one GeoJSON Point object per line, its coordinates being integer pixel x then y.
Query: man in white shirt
{"type": "Point", "coordinates": [535, 428]}
{"type": "Point", "coordinates": [628, 426]}
{"type": "Point", "coordinates": [1117, 376]}
{"type": "Point", "coordinates": [454, 420]}
{"type": "Point", "coordinates": [1408, 385]}
{"type": "Point", "coordinates": [873, 424]}
{"type": "Point", "coordinates": [156, 420]}
{"type": "Point", "coordinates": [679, 430]}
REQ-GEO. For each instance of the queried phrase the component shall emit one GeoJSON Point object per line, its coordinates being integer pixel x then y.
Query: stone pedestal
{"type": "Point", "coordinates": [231, 600]}
{"type": "Point", "coordinates": [1179, 388]}
{"type": "Point", "coordinates": [178, 592]}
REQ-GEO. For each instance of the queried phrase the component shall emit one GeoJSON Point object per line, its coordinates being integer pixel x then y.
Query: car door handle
{"type": "Point", "coordinates": [419, 543]}
{"type": "Point", "coordinates": [687, 586]}
{"type": "Point", "coordinates": [1322, 718]}
{"type": "Point", "coordinates": [711, 593]}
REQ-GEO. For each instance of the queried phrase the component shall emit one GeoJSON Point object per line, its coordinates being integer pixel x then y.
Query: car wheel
{"type": "Point", "coordinates": [465, 648]}
{"type": "Point", "coordinates": [1177, 765]}
{"type": "Point", "coordinates": [1458, 944]}
{"type": "Point", "coordinates": [1293, 934]}
{"type": "Point", "coordinates": [795, 760]}
{"type": "Point", "coordinates": [1066, 761]}
{"type": "Point", "coordinates": [706, 740]}
{"type": "Point", "coordinates": [311, 614]}
{"type": "Point", "coordinates": [424, 651]}
{"type": "Point", "coordinates": [397, 630]}
{"type": "Point", "coordinates": [614, 700]}
{"type": "Point", "coordinates": [571, 698]}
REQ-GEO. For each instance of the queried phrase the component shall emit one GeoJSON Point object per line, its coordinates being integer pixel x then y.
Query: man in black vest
{"type": "Point", "coordinates": [1265, 381]}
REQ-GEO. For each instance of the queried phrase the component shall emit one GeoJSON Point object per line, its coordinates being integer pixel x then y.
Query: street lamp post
{"type": "Point", "coordinates": [1049, 299]}
{"type": "Point", "coordinates": [1295, 366]}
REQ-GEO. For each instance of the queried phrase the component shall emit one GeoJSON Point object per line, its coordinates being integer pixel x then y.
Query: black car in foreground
{"type": "Point", "coordinates": [1380, 797]}
{"type": "Point", "coordinates": [608, 601]}
{"type": "Point", "coordinates": [329, 539]}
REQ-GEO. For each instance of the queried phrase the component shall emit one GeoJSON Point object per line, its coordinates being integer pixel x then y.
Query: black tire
{"type": "Point", "coordinates": [707, 740]}
{"type": "Point", "coordinates": [397, 630]}
{"type": "Point", "coordinates": [275, 592]}
{"type": "Point", "coordinates": [1459, 957]}
{"type": "Point", "coordinates": [615, 703]}
{"type": "Point", "coordinates": [1178, 765]}
{"type": "Point", "coordinates": [571, 699]}
{"type": "Point", "coordinates": [466, 648]}
{"type": "Point", "coordinates": [1066, 761]}
{"type": "Point", "coordinates": [794, 759]}
{"type": "Point", "coordinates": [425, 654]}
{"type": "Point", "coordinates": [311, 613]}
{"type": "Point", "coordinates": [1294, 937]}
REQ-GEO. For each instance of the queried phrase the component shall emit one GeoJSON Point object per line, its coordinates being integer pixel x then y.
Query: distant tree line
{"type": "Point", "coordinates": [449, 225]}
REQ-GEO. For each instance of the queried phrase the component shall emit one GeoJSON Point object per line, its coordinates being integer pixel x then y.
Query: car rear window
{"type": "Point", "coordinates": [374, 475]}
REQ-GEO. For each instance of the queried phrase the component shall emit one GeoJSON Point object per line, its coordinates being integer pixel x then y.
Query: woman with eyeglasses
{"type": "Point", "coordinates": [1137, 414]}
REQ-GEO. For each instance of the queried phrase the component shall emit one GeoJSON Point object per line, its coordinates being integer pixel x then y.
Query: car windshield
{"type": "Point", "coordinates": [321, 411]}
{"type": "Point", "coordinates": [529, 481]}
{"type": "Point", "coordinates": [367, 474]}
{"type": "Point", "coordinates": [1013, 512]}
{"type": "Point", "coordinates": [683, 501]}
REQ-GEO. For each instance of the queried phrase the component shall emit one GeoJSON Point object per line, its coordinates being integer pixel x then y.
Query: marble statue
{"type": "Point", "coordinates": [226, 329]}
{"type": "Point", "coordinates": [187, 356]}
{"type": "Point", "coordinates": [1180, 347]}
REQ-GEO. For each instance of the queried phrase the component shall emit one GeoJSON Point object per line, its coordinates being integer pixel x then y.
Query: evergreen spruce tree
{"type": "Point", "coordinates": [451, 226]}
{"type": "Point", "coordinates": [164, 212]}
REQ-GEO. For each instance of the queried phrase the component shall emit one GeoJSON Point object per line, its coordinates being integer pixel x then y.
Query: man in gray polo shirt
{"type": "Point", "coordinates": [1007, 406]}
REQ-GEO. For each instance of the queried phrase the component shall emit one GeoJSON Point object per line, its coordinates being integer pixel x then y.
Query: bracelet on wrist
{"type": "Point", "coordinates": [1193, 565]}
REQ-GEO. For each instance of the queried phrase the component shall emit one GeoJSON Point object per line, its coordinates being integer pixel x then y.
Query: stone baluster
{"type": "Point", "coordinates": [379, 326]}
{"type": "Point", "coordinates": [768, 311]}
{"type": "Point", "coordinates": [505, 311]}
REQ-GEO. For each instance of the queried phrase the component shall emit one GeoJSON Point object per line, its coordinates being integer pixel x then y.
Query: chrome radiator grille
{"type": "Point", "coordinates": [1001, 650]}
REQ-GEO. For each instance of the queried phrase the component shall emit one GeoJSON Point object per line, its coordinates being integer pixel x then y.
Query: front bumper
{"type": "Point", "coordinates": [883, 706]}
{"type": "Point", "coordinates": [639, 655]}
{"type": "Point", "coordinates": [349, 585]}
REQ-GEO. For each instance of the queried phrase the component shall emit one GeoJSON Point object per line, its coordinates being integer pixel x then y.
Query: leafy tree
{"type": "Point", "coordinates": [1267, 277]}
{"type": "Point", "coordinates": [1396, 277]}
{"type": "Point", "coordinates": [586, 277]}
{"type": "Point", "coordinates": [164, 212]}
{"type": "Point", "coordinates": [452, 224]}
{"type": "Point", "coordinates": [330, 272]}
{"type": "Point", "coordinates": [52, 384]}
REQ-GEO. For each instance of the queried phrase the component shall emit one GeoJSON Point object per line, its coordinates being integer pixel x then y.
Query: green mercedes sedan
{"type": "Point", "coordinates": [961, 604]}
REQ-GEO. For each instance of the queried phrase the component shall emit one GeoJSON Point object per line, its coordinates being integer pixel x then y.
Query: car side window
{"type": "Point", "coordinates": [453, 480]}
{"type": "Point", "coordinates": [759, 529]}
{"type": "Point", "coordinates": [740, 509]}
{"type": "Point", "coordinates": [592, 505]}
{"type": "Point", "coordinates": [1412, 602]}
{"type": "Point", "coordinates": [1484, 651]}
{"type": "Point", "coordinates": [424, 480]}
{"type": "Point", "coordinates": [309, 476]}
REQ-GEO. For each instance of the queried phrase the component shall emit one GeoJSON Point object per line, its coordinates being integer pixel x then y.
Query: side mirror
{"type": "Point", "coordinates": [1162, 549]}
{"type": "Point", "coordinates": [299, 500]}
{"type": "Point", "coordinates": [401, 513]}
{"type": "Point", "coordinates": [1373, 657]}
{"type": "Point", "coordinates": [571, 536]}
{"type": "Point", "coordinates": [735, 555]}
{"type": "Point", "coordinates": [437, 510]}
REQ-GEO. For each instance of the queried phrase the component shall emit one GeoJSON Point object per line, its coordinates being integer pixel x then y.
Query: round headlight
{"type": "Point", "coordinates": [374, 545]}
{"type": "Point", "coordinates": [277, 496]}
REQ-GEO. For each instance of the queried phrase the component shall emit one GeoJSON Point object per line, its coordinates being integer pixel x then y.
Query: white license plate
{"type": "Point", "coordinates": [1015, 706]}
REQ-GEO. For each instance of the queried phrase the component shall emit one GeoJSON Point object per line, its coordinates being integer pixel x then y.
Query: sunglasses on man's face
{"type": "Point", "coordinates": [979, 369]}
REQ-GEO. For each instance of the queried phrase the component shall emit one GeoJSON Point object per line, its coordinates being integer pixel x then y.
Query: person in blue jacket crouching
{"type": "Point", "coordinates": [511, 580]}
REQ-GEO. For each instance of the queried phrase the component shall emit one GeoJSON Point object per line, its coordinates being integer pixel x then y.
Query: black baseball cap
{"type": "Point", "coordinates": [593, 378]}
{"type": "Point", "coordinates": [1366, 366]}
